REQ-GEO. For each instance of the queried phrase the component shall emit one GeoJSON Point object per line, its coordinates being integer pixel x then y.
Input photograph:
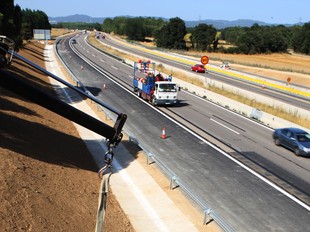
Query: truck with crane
{"type": "Point", "coordinates": [153, 87]}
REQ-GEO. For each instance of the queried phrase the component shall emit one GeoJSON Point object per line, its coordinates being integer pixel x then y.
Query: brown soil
{"type": "Point", "coordinates": [48, 178]}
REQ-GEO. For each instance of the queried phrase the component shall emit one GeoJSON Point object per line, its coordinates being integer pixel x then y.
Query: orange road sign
{"type": "Point", "coordinates": [204, 60]}
{"type": "Point", "coordinates": [289, 79]}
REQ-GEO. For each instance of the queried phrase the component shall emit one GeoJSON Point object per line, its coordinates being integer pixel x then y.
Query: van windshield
{"type": "Point", "coordinates": [167, 87]}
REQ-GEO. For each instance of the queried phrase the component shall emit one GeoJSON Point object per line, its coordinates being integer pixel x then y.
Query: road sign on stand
{"type": "Point", "coordinates": [289, 80]}
{"type": "Point", "coordinates": [204, 60]}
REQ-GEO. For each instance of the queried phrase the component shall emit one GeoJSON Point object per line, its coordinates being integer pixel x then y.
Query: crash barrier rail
{"type": "Point", "coordinates": [209, 213]}
{"type": "Point", "coordinates": [175, 181]}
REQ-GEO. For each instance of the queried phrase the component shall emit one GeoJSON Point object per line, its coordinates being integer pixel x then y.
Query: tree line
{"type": "Point", "coordinates": [246, 40]}
{"type": "Point", "coordinates": [18, 24]}
{"type": "Point", "coordinates": [267, 39]}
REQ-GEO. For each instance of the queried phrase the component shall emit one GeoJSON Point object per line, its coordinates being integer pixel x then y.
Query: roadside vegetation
{"type": "Point", "coordinates": [18, 24]}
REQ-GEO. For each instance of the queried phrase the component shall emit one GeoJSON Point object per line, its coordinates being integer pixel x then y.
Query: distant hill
{"type": "Point", "coordinates": [75, 18]}
{"type": "Point", "coordinates": [218, 24]}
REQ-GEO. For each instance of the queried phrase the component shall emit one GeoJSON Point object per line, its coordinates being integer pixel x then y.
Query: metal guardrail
{"type": "Point", "coordinates": [175, 181]}
{"type": "Point", "coordinates": [77, 81]}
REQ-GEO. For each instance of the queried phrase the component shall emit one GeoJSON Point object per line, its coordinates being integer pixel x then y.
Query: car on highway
{"type": "Point", "coordinates": [198, 68]}
{"type": "Point", "coordinates": [294, 139]}
{"type": "Point", "coordinates": [225, 65]}
{"type": "Point", "coordinates": [74, 41]}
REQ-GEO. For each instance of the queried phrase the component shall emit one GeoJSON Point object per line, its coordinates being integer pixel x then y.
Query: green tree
{"type": "Point", "coordinates": [274, 40]}
{"type": "Point", "coordinates": [107, 25]}
{"type": "Point", "coordinates": [134, 29]}
{"type": "Point", "coordinates": [203, 36]}
{"type": "Point", "coordinates": [151, 24]}
{"type": "Point", "coordinates": [231, 34]}
{"type": "Point", "coordinates": [119, 24]}
{"type": "Point", "coordinates": [300, 39]}
{"type": "Point", "coordinates": [33, 20]}
{"type": "Point", "coordinates": [125, 26]}
{"type": "Point", "coordinates": [10, 21]}
{"type": "Point", "coordinates": [171, 35]}
{"type": "Point", "coordinates": [7, 23]}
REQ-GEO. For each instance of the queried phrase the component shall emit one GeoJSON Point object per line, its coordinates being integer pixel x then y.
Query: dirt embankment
{"type": "Point", "coordinates": [48, 178]}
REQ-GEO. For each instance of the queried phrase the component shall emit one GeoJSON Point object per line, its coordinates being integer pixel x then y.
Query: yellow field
{"type": "Point", "coordinates": [55, 32]}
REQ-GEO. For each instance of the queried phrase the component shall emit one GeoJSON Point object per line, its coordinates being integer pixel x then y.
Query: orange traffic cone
{"type": "Point", "coordinates": [163, 134]}
{"type": "Point", "coordinates": [263, 86]}
{"type": "Point", "coordinates": [104, 87]}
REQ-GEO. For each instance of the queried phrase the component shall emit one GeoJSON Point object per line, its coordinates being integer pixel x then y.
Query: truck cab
{"type": "Point", "coordinates": [151, 87]}
{"type": "Point", "coordinates": [165, 93]}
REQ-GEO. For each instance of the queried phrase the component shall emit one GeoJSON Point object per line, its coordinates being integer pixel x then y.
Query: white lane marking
{"type": "Point", "coordinates": [281, 190]}
{"type": "Point", "coordinates": [224, 126]}
{"type": "Point", "coordinates": [229, 111]}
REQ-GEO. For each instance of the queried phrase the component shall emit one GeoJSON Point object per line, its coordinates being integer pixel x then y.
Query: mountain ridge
{"type": "Point", "coordinates": [218, 24]}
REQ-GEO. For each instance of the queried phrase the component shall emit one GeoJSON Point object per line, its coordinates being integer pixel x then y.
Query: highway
{"type": "Point", "coordinates": [251, 87]}
{"type": "Point", "coordinates": [235, 192]}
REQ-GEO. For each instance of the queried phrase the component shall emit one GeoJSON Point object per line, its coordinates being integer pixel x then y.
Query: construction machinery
{"type": "Point", "coordinates": [6, 50]}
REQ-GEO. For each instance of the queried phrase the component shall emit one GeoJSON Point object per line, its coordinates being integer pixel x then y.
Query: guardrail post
{"type": "Point", "coordinates": [149, 158]}
{"type": "Point", "coordinates": [206, 216]}
{"type": "Point", "coordinates": [173, 183]}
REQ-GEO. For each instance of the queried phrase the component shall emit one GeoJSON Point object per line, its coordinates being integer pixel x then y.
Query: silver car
{"type": "Point", "coordinates": [294, 139]}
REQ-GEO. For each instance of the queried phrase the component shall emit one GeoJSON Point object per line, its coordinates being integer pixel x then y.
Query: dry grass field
{"type": "Point", "coordinates": [278, 65]}
{"type": "Point", "coordinates": [56, 32]}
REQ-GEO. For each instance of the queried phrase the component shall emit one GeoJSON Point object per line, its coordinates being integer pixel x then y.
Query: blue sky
{"type": "Point", "coordinates": [271, 11]}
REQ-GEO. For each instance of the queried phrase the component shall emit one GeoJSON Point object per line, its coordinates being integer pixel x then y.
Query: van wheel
{"type": "Point", "coordinates": [139, 93]}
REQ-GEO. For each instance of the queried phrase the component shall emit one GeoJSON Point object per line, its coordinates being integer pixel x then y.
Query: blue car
{"type": "Point", "coordinates": [294, 139]}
